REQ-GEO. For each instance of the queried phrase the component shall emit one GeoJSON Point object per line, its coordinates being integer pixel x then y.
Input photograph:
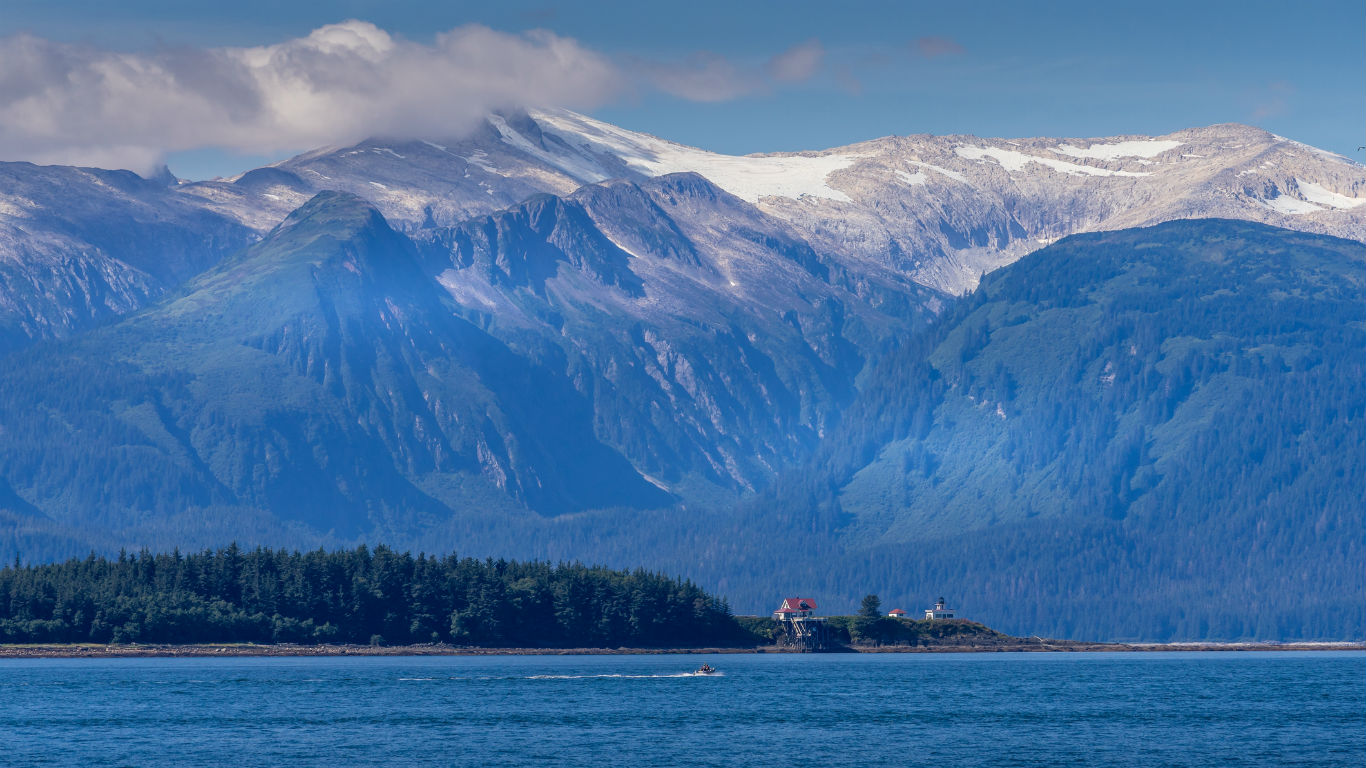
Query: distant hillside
{"type": "Point", "coordinates": [1152, 433]}
{"type": "Point", "coordinates": [1143, 433]}
{"type": "Point", "coordinates": [316, 387]}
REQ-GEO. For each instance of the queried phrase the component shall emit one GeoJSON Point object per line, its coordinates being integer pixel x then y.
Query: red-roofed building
{"type": "Point", "coordinates": [795, 608]}
{"type": "Point", "coordinates": [897, 613]}
{"type": "Point", "coordinates": [799, 628]}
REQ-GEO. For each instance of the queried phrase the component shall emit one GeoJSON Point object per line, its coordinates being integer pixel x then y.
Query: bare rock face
{"type": "Point", "coordinates": [943, 210]}
{"type": "Point", "coordinates": [715, 344]}
{"type": "Point", "coordinates": [79, 246]}
{"type": "Point", "coordinates": [947, 209]}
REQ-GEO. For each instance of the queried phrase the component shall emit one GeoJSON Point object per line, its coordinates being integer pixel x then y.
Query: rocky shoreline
{"type": "Point", "coordinates": [81, 651]}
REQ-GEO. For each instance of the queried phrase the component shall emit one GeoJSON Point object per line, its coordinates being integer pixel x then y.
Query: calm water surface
{"type": "Point", "coordinates": [1159, 709]}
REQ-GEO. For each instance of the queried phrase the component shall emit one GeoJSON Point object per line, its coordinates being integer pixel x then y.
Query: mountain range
{"type": "Point", "coordinates": [938, 210]}
{"type": "Point", "coordinates": [838, 369]}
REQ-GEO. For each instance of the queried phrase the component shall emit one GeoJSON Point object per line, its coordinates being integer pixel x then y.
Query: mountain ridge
{"type": "Point", "coordinates": [938, 210]}
{"type": "Point", "coordinates": [557, 338]}
{"type": "Point", "coordinates": [921, 484]}
{"type": "Point", "coordinates": [301, 377]}
{"type": "Point", "coordinates": [1179, 446]}
{"type": "Point", "coordinates": [759, 337]}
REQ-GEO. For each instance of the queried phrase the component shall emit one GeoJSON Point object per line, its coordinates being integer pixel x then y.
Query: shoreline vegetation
{"type": "Point", "coordinates": [209, 650]}
{"type": "Point", "coordinates": [361, 596]}
{"type": "Point", "coordinates": [379, 602]}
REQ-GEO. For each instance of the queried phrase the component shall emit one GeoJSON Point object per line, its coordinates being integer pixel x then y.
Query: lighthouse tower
{"type": "Point", "coordinates": [800, 627]}
{"type": "Point", "coordinates": [939, 611]}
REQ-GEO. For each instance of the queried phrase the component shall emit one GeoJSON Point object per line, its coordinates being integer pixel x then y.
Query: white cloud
{"type": "Point", "coordinates": [703, 76]}
{"type": "Point", "coordinates": [83, 105]}
{"type": "Point", "coordinates": [75, 104]}
{"type": "Point", "coordinates": [934, 47]}
{"type": "Point", "coordinates": [798, 63]}
{"type": "Point", "coordinates": [710, 77]}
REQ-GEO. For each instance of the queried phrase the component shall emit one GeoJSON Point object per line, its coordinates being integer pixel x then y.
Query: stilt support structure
{"type": "Point", "coordinates": [800, 629]}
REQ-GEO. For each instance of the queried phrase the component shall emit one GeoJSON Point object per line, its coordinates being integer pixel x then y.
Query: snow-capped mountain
{"type": "Point", "coordinates": [947, 209]}
{"type": "Point", "coordinates": [559, 338]}
{"type": "Point", "coordinates": [939, 210]}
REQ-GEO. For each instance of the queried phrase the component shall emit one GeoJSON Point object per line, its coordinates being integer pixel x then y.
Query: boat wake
{"type": "Point", "coordinates": [564, 677]}
{"type": "Point", "coordinates": [625, 677]}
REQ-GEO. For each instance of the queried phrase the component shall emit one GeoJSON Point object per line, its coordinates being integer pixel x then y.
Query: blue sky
{"type": "Point", "coordinates": [990, 68]}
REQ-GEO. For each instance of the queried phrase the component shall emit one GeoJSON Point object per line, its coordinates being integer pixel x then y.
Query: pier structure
{"type": "Point", "coordinates": [801, 628]}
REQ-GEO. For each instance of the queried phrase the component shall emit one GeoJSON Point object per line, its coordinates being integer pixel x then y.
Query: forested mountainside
{"type": "Point", "coordinates": [319, 380]}
{"type": "Point", "coordinates": [323, 385]}
{"type": "Point", "coordinates": [1149, 433]}
{"type": "Point", "coordinates": [557, 338]}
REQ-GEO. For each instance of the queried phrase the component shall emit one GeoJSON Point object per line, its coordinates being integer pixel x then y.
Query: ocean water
{"type": "Point", "coordinates": [1130, 709]}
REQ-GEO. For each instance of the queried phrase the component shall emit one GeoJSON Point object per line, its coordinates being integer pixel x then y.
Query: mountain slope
{"type": "Point", "coordinates": [1100, 370]}
{"type": "Point", "coordinates": [942, 209]}
{"type": "Point", "coordinates": [81, 246]}
{"type": "Point", "coordinates": [317, 381]}
{"type": "Point", "coordinates": [632, 345]}
{"type": "Point", "coordinates": [947, 209]}
{"type": "Point", "coordinates": [1149, 433]}
{"type": "Point", "coordinates": [715, 345]}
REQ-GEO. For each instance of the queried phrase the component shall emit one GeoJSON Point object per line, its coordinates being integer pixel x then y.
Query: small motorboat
{"type": "Point", "coordinates": [705, 669]}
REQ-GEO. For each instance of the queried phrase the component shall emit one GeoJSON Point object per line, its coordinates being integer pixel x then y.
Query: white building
{"type": "Point", "coordinates": [795, 608]}
{"type": "Point", "coordinates": [939, 611]}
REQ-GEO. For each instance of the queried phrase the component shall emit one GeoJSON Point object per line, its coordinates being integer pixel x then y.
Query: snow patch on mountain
{"type": "Point", "coordinates": [1290, 206]}
{"type": "Point", "coordinates": [480, 158]}
{"type": "Point", "coordinates": [1015, 162]}
{"type": "Point", "coordinates": [469, 293]}
{"type": "Point", "coordinates": [579, 166]}
{"type": "Point", "coordinates": [955, 175]}
{"type": "Point", "coordinates": [1144, 148]}
{"type": "Point", "coordinates": [614, 241]}
{"type": "Point", "coordinates": [747, 177]}
{"type": "Point", "coordinates": [14, 207]}
{"type": "Point", "coordinates": [1316, 150]}
{"type": "Point", "coordinates": [1315, 193]}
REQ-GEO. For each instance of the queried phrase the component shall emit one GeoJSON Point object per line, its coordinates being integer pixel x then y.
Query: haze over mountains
{"type": "Point", "coordinates": [560, 338]}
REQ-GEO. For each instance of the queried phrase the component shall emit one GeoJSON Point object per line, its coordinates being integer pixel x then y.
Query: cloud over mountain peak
{"type": "Point", "coordinates": [78, 104]}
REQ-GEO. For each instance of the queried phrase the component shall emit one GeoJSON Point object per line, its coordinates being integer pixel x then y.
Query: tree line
{"type": "Point", "coordinates": [361, 595]}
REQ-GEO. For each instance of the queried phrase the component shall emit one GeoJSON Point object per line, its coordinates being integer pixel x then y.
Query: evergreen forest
{"type": "Point", "coordinates": [375, 596]}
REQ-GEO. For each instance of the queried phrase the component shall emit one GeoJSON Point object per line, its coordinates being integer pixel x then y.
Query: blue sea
{"type": "Point", "coordinates": [1081, 709]}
